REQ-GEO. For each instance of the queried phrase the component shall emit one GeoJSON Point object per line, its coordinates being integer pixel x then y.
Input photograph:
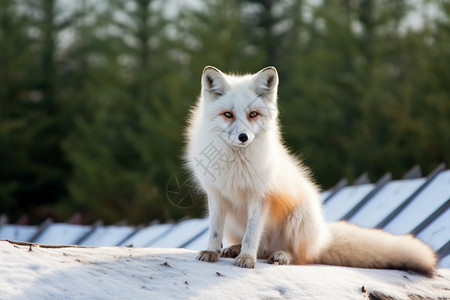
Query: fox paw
{"type": "Point", "coordinates": [231, 252]}
{"type": "Point", "coordinates": [208, 256]}
{"type": "Point", "coordinates": [280, 258]}
{"type": "Point", "coordinates": [245, 261]}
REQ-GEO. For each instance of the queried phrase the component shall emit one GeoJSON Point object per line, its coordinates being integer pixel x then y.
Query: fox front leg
{"type": "Point", "coordinates": [216, 223]}
{"type": "Point", "coordinates": [250, 242]}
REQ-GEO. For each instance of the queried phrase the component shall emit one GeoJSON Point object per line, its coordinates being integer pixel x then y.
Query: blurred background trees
{"type": "Point", "coordinates": [94, 95]}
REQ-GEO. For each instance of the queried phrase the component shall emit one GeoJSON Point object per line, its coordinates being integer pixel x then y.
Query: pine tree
{"type": "Point", "coordinates": [216, 35]}
{"type": "Point", "coordinates": [35, 167]}
{"type": "Point", "coordinates": [131, 137]}
{"type": "Point", "coordinates": [15, 61]}
{"type": "Point", "coordinates": [346, 87]}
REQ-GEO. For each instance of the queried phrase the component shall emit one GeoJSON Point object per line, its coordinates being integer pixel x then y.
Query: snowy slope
{"type": "Point", "coordinates": [33, 272]}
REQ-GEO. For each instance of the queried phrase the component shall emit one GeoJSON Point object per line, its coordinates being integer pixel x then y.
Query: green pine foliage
{"type": "Point", "coordinates": [94, 96]}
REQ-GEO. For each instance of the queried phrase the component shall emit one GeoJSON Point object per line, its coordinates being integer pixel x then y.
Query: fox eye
{"type": "Point", "coordinates": [253, 114]}
{"type": "Point", "coordinates": [228, 115]}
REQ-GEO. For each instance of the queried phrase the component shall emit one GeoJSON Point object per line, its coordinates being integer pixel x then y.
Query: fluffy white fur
{"type": "Point", "coordinates": [262, 197]}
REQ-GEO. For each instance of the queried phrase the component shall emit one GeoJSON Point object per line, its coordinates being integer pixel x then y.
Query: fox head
{"type": "Point", "coordinates": [240, 108]}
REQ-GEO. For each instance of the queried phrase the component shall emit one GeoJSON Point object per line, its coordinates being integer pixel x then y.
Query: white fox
{"type": "Point", "coordinates": [263, 198]}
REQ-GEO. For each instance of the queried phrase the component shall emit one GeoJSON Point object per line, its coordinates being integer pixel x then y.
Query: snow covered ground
{"type": "Point", "coordinates": [33, 272]}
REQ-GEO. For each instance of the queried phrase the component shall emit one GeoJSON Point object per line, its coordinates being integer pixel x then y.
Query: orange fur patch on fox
{"type": "Point", "coordinates": [280, 206]}
{"type": "Point", "coordinates": [301, 257]}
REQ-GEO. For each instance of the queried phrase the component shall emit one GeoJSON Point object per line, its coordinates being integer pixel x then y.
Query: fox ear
{"type": "Point", "coordinates": [213, 82]}
{"type": "Point", "coordinates": [265, 83]}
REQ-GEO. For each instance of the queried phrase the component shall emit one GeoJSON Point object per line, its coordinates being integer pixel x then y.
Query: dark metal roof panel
{"type": "Point", "coordinates": [385, 201]}
{"type": "Point", "coordinates": [22, 233]}
{"type": "Point", "coordinates": [421, 207]}
{"type": "Point", "coordinates": [341, 203]}
{"type": "Point", "coordinates": [62, 234]}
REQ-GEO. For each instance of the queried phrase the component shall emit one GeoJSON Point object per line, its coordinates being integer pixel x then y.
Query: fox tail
{"type": "Point", "coordinates": [354, 246]}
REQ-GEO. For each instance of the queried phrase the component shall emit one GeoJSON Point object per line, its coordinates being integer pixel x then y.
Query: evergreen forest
{"type": "Point", "coordinates": [94, 95]}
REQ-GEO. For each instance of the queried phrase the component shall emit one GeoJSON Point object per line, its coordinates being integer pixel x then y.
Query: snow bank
{"type": "Point", "coordinates": [34, 272]}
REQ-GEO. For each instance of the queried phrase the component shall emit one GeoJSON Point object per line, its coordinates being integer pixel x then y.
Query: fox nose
{"type": "Point", "coordinates": [243, 137]}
